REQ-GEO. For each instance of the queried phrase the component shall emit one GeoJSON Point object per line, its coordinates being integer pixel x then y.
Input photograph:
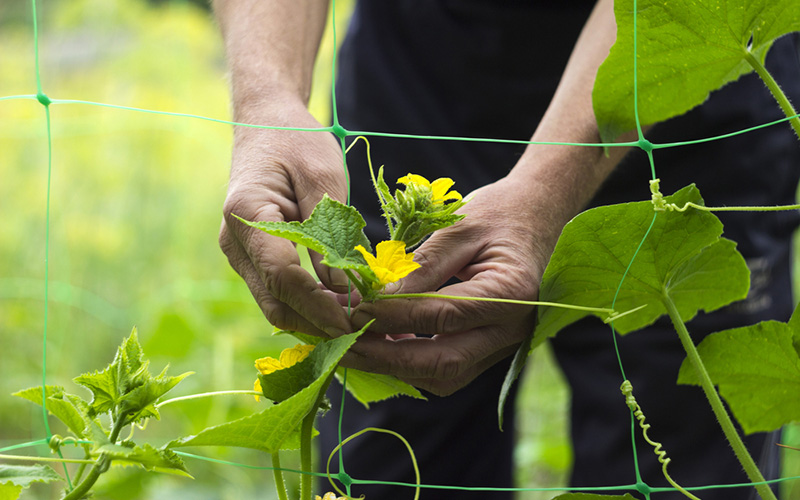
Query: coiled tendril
{"type": "Point", "coordinates": [627, 391]}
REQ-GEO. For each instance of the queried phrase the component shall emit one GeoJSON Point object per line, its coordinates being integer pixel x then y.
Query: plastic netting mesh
{"type": "Point", "coordinates": [41, 285]}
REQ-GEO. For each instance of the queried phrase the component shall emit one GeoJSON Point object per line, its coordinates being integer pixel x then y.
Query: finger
{"type": "Point", "coordinates": [441, 387]}
{"type": "Point", "coordinates": [277, 313]}
{"type": "Point", "coordinates": [431, 316]}
{"type": "Point", "coordinates": [334, 279]}
{"type": "Point", "coordinates": [272, 263]}
{"type": "Point", "coordinates": [442, 357]}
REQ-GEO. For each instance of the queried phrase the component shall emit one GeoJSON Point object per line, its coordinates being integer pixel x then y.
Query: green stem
{"type": "Point", "coordinates": [306, 432]}
{"type": "Point", "coordinates": [277, 472]}
{"type": "Point", "coordinates": [363, 290]}
{"type": "Point", "coordinates": [776, 91]}
{"type": "Point", "coordinates": [100, 466]}
{"type": "Point", "coordinates": [27, 458]}
{"type": "Point", "coordinates": [206, 395]}
{"type": "Point", "coordinates": [493, 299]}
{"type": "Point", "coordinates": [724, 419]}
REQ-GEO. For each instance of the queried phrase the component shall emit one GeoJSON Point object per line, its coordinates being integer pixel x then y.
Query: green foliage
{"type": "Point", "coordinates": [15, 478]}
{"type": "Point", "coordinates": [412, 213]}
{"type": "Point", "coordinates": [333, 230]}
{"type": "Point", "coordinates": [683, 257]}
{"type": "Point", "coordinates": [757, 369]}
{"type": "Point", "coordinates": [70, 409]}
{"type": "Point", "coordinates": [365, 387]}
{"type": "Point", "coordinates": [278, 427]}
{"type": "Point", "coordinates": [685, 50]}
{"type": "Point", "coordinates": [126, 387]}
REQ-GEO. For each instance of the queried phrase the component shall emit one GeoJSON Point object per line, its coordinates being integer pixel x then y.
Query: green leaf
{"type": "Point", "coordinates": [517, 364]}
{"type": "Point", "coordinates": [333, 230]}
{"type": "Point", "coordinates": [24, 475]}
{"type": "Point", "coordinates": [757, 370]}
{"type": "Point", "coordinates": [140, 402]}
{"type": "Point", "coordinates": [683, 256]}
{"type": "Point", "coordinates": [9, 491]}
{"type": "Point", "coordinates": [146, 456]}
{"type": "Point", "coordinates": [126, 385]}
{"type": "Point", "coordinates": [278, 427]}
{"type": "Point", "coordinates": [685, 50]}
{"type": "Point", "coordinates": [70, 409]}
{"type": "Point", "coordinates": [364, 386]}
{"type": "Point", "coordinates": [373, 387]}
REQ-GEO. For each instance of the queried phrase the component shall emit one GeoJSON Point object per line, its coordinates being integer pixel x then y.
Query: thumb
{"type": "Point", "coordinates": [441, 257]}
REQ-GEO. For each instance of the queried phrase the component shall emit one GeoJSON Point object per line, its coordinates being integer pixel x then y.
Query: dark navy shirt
{"type": "Point", "coordinates": [479, 68]}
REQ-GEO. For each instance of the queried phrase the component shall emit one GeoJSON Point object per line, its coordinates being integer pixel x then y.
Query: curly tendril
{"type": "Point", "coordinates": [630, 400]}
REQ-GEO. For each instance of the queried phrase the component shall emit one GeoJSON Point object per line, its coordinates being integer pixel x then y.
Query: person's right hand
{"type": "Point", "coordinates": [279, 175]}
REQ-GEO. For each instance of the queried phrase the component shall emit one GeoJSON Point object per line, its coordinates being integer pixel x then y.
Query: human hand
{"type": "Point", "coordinates": [279, 175]}
{"type": "Point", "coordinates": [440, 345]}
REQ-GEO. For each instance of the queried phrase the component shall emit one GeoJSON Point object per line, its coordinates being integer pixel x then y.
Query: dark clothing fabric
{"type": "Point", "coordinates": [478, 68]}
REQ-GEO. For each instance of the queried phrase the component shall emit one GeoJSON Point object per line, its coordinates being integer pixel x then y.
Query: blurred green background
{"type": "Point", "coordinates": [135, 210]}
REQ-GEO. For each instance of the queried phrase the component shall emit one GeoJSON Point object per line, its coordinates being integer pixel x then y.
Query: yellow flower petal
{"type": "Point", "coordinates": [439, 188]}
{"type": "Point", "coordinates": [296, 354]}
{"type": "Point", "coordinates": [329, 496]}
{"type": "Point", "coordinates": [257, 388]}
{"type": "Point", "coordinates": [289, 357]}
{"type": "Point", "coordinates": [414, 179]}
{"type": "Point", "coordinates": [268, 365]}
{"type": "Point", "coordinates": [391, 262]}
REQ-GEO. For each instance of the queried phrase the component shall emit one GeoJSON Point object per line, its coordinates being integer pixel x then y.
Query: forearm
{"type": "Point", "coordinates": [271, 46]}
{"type": "Point", "coordinates": [564, 178]}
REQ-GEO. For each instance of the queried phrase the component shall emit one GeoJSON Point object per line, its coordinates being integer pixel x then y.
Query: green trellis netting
{"type": "Point", "coordinates": [62, 239]}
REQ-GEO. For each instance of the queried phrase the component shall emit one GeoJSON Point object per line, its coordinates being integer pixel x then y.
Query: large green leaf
{"type": "Point", "coordinates": [685, 50]}
{"type": "Point", "coordinates": [278, 426]}
{"type": "Point", "coordinates": [683, 256]}
{"type": "Point", "coordinates": [364, 386]}
{"type": "Point", "coordinates": [333, 230]}
{"type": "Point", "coordinates": [757, 370]}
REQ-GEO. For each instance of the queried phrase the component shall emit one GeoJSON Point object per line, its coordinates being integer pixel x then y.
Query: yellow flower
{"type": "Point", "coordinates": [329, 496]}
{"type": "Point", "coordinates": [439, 187]}
{"type": "Point", "coordinates": [289, 357]}
{"type": "Point", "coordinates": [390, 262]}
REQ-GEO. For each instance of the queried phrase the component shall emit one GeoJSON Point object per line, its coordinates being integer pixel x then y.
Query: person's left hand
{"type": "Point", "coordinates": [499, 250]}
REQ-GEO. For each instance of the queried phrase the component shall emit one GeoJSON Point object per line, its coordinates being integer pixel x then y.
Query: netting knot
{"type": "Point", "coordinates": [43, 99]}
{"type": "Point", "coordinates": [339, 131]}
{"type": "Point", "coordinates": [345, 479]}
{"type": "Point", "coordinates": [645, 145]}
{"type": "Point", "coordinates": [643, 488]}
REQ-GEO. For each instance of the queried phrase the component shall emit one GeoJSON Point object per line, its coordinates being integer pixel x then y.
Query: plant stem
{"type": "Point", "coordinates": [306, 431]}
{"type": "Point", "coordinates": [776, 91]}
{"type": "Point", "coordinates": [100, 466]}
{"type": "Point", "coordinates": [206, 395]}
{"type": "Point", "coordinates": [724, 419]}
{"type": "Point", "coordinates": [277, 473]}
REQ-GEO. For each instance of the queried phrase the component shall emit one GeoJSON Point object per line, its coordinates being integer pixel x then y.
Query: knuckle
{"type": "Point", "coordinates": [447, 365]}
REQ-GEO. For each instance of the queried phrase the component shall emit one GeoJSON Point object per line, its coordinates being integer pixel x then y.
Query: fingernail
{"type": "Point", "coordinates": [361, 318]}
{"type": "Point", "coordinates": [334, 332]}
{"type": "Point", "coordinates": [338, 278]}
